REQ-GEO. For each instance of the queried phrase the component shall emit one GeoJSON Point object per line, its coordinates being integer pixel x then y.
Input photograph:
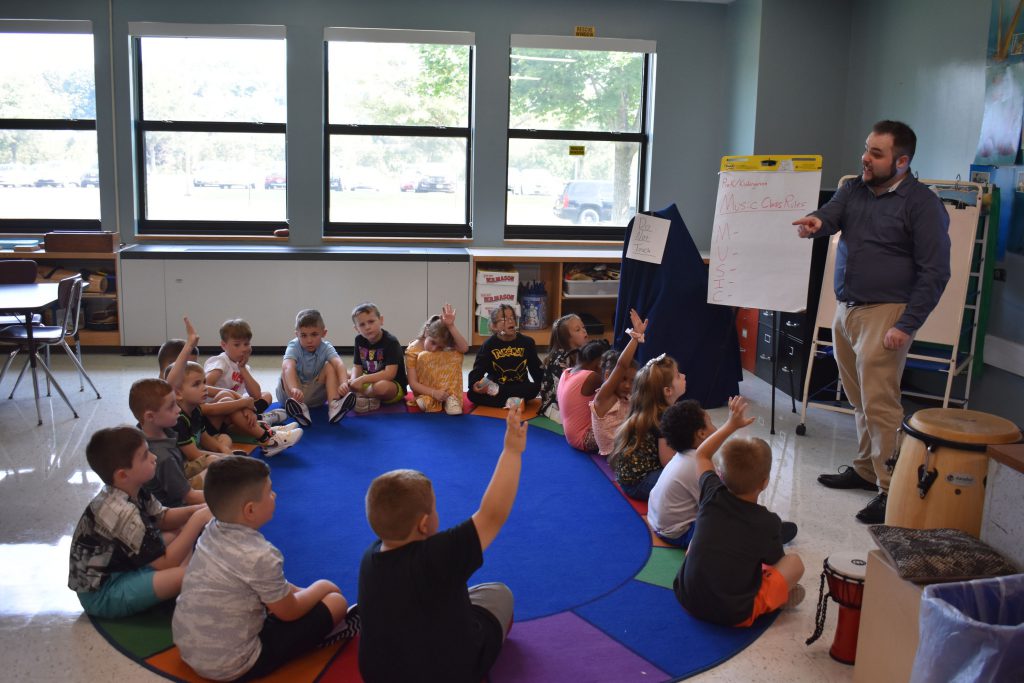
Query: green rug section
{"type": "Point", "coordinates": [662, 567]}
{"type": "Point", "coordinates": [548, 424]}
{"type": "Point", "coordinates": [142, 635]}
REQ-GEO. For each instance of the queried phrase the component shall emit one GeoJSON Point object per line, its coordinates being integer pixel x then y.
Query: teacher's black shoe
{"type": "Point", "coordinates": [846, 479]}
{"type": "Point", "coordinates": [788, 532]}
{"type": "Point", "coordinates": [874, 512]}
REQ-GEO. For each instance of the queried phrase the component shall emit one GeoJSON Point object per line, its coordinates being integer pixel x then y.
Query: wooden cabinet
{"type": "Point", "coordinates": [104, 305]}
{"type": "Point", "coordinates": [550, 267]}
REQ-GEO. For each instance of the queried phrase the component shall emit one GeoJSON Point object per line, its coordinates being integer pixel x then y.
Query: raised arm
{"type": "Point", "coordinates": [737, 420]}
{"type": "Point", "coordinates": [448, 317]}
{"type": "Point", "coordinates": [606, 394]}
{"type": "Point", "coordinates": [496, 503]}
{"type": "Point", "coordinates": [176, 375]}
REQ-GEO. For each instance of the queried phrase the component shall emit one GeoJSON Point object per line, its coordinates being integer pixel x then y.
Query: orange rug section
{"type": "Point", "coordinates": [345, 667]}
{"type": "Point", "coordinates": [305, 668]}
{"type": "Point", "coordinates": [529, 410]}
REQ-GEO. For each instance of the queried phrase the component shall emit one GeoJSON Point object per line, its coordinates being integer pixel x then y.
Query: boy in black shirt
{"type": "Point", "coordinates": [499, 376]}
{"type": "Point", "coordinates": [378, 366]}
{"type": "Point", "coordinates": [419, 620]}
{"type": "Point", "coordinates": [735, 569]}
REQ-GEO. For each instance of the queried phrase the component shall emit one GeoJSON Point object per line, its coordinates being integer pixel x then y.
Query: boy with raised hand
{"type": "Point", "coordinates": [378, 364]}
{"type": "Point", "coordinates": [237, 615]}
{"type": "Point", "coordinates": [312, 372]}
{"type": "Point", "coordinates": [735, 569]}
{"type": "Point", "coordinates": [152, 402]}
{"type": "Point", "coordinates": [128, 551]}
{"type": "Point", "coordinates": [419, 620]}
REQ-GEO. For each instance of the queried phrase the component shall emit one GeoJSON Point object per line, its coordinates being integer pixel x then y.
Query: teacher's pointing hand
{"type": "Point", "coordinates": [807, 226]}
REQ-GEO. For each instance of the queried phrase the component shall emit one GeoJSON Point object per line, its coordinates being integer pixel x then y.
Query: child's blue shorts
{"type": "Point", "coordinates": [121, 595]}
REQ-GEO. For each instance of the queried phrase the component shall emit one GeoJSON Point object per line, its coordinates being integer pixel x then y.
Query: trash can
{"type": "Point", "coordinates": [972, 631]}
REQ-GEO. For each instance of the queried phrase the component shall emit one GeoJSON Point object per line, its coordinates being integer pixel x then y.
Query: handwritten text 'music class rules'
{"type": "Point", "coordinates": [757, 259]}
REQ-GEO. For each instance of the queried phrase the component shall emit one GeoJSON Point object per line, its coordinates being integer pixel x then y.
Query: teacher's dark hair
{"type": "Point", "coordinates": [904, 142]}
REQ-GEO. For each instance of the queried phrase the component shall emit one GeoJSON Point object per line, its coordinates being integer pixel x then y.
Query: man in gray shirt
{"type": "Point", "coordinates": [892, 266]}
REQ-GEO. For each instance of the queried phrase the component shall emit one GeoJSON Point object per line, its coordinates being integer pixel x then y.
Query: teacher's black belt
{"type": "Point", "coordinates": [853, 304]}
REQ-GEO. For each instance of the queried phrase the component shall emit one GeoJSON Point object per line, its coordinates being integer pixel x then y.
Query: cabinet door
{"type": "Point", "coordinates": [746, 332]}
{"type": "Point", "coordinates": [765, 348]}
{"type": "Point", "coordinates": [268, 294]}
{"type": "Point", "coordinates": [143, 314]}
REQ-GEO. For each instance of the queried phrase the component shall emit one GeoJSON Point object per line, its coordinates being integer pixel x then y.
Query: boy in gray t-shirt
{"type": "Point", "coordinates": [237, 614]}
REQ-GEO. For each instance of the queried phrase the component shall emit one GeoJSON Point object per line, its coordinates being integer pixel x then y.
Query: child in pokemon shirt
{"type": "Point", "coordinates": [507, 360]}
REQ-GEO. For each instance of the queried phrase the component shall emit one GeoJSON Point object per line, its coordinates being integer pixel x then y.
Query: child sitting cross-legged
{"type": "Point", "coordinates": [507, 369]}
{"type": "Point", "coordinates": [611, 403]}
{"type": "Point", "coordinates": [312, 372]}
{"type": "Point", "coordinates": [129, 552]}
{"type": "Point", "coordinates": [152, 403]}
{"type": "Point", "coordinates": [433, 363]}
{"type": "Point", "coordinates": [230, 370]}
{"type": "Point", "coordinates": [419, 620]}
{"type": "Point", "coordinates": [378, 363]}
{"type": "Point", "coordinates": [640, 451]}
{"type": "Point", "coordinates": [736, 569]}
{"type": "Point", "coordinates": [237, 614]}
{"type": "Point", "coordinates": [575, 391]}
{"type": "Point", "coordinates": [568, 335]}
{"type": "Point", "coordinates": [672, 506]}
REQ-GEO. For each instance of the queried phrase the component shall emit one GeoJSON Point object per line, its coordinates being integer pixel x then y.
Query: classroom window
{"type": "Point", "coordinates": [210, 110]}
{"type": "Point", "coordinates": [48, 166]}
{"type": "Point", "coordinates": [397, 143]}
{"type": "Point", "coordinates": [578, 136]}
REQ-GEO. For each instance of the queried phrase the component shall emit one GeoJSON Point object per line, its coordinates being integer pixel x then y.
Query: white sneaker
{"type": "Point", "coordinates": [286, 427]}
{"type": "Point", "coordinates": [453, 405]}
{"type": "Point", "coordinates": [280, 440]}
{"type": "Point", "coordinates": [339, 407]}
{"type": "Point", "coordinates": [365, 404]}
{"type": "Point", "coordinates": [274, 417]}
{"type": "Point", "coordinates": [421, 401]}
{"type": "Point", "coordinates": [299, 411]}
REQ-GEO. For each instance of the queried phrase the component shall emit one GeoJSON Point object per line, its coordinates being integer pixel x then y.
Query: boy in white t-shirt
{"type": "Point", "coordinates": [672, 507]}
{"type": "Point", "coordinates": [230, 370]}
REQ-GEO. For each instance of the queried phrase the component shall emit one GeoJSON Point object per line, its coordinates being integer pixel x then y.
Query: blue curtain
{"type": "Point", "coordinates": [673, 295]}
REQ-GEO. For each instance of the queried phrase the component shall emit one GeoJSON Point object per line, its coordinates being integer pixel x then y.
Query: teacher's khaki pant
{"type": "Point", "coordinates": [871, 377]}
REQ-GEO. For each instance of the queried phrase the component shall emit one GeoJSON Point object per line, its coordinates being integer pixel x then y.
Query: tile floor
{"type": "Point", "coordinates": [45, 483]}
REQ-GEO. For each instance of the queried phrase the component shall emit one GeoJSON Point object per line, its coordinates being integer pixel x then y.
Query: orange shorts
{"type": "Point", "coordinates": [773, 594]}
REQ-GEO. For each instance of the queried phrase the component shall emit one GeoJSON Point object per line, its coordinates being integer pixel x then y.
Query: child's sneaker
{"type": "Point", "coordinates": [788, 532]}
{"type": "Point", "coordinates": [339, 407]}
{"type": "Point", "coordinates": [365, 404]}
{"type": "Point", "coordinates": [280, 440]}
{"type": "Point", "coordinates": [421, 401]}
{"type": "Point", "coordinates": [286, 427]}
{"type": "Point", "coordinates": [453, 405]}
{"type": "Point", "coordinates": [348, 627]}
{"type": "Point", "coordinates": [299, 411]}
{"type": "Point", "coordinates": [274, 417]}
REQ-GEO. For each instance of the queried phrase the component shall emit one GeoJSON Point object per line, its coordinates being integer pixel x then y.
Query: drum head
{"type": "Point", "coordinates": [852, 565]}
{"type": "Point", "coordinates": [964, 426]}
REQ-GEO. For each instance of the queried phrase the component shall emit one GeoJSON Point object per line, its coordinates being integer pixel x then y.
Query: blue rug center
{"type": "Point", "coordinates": [571, 537]}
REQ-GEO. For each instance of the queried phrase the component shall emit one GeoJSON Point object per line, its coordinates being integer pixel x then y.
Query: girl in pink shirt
{"type": "Point", "coordinates": [575, 389]}
{"type": "Point", "coordinates": [611, 403]}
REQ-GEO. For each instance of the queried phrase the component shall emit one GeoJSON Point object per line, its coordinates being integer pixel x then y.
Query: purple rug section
{"type": "Point", "coordinates": [602, 464]}
{"type": "Point", "coordinates": [539, 651]}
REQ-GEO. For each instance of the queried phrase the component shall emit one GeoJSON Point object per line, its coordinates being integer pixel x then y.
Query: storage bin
{"type": "Point", "coordinates": [591, 287]}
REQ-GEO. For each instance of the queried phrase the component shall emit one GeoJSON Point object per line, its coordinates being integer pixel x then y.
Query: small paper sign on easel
{"type": "Point", "coordinates": [647, 241]}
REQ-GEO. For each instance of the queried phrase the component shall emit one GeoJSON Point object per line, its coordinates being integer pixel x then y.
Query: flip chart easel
{"type": "Point", "coordinates": [757, 259]}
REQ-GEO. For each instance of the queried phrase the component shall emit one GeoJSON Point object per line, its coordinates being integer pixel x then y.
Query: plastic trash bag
{"type": "Point", "coordinates": [972, 631]}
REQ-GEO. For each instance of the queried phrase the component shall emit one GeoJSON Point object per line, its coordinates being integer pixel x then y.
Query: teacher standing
{"type": "Point", "coordinates": [891, 268]}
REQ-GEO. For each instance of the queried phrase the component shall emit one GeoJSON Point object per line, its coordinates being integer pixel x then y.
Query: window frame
{"type": "Point", "coordinates": [593, 233]}
{"type": "Point", "coordinates": [399, 230]}
{"type": "Point", "coordinates": [52, 27]}
{"type": "Point", "coordinates": [167, 227]}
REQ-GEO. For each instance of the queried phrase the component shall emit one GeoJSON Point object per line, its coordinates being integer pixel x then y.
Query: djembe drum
{"type": "Point", "coordinates": [940, 471]}
{"type": "Point", "coordinates": [844, 573]}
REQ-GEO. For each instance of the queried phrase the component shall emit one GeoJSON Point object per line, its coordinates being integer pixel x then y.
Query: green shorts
{"type": "Point", "coordinates": [399, 392]}
{"type": "Point", "coordinates": [121, 595]}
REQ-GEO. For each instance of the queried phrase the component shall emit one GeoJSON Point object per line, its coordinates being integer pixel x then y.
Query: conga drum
{"type": "Point", "coordinates": [939, 477]}
{"type": "Point", "coordinates": [844, 573]}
